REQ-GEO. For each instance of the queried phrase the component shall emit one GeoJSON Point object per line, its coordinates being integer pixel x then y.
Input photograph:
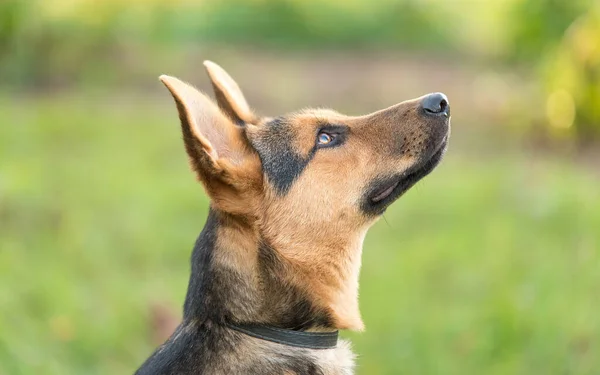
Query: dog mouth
{"type": "Point", "coordinates": [388, 190]}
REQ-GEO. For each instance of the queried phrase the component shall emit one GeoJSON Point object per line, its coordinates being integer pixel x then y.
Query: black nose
{"type": "Point", "coordinates": [436, 104]}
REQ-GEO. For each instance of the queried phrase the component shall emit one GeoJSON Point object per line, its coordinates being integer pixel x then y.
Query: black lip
{"type": "Point", "coordinates": [401, 183]}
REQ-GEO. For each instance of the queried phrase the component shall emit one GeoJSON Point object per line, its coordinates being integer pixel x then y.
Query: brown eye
{"type": "Point", "coordinates": [324, 138]}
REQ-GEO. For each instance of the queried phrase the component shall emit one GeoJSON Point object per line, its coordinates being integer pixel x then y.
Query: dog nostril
{"type": "Point", "coordinates": [436, 104]}
{"type": "Point", "coordinates": [443, 105]}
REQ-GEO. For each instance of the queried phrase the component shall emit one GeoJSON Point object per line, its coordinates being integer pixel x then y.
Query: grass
{"type": "Point", "coordinates": [489, 266]}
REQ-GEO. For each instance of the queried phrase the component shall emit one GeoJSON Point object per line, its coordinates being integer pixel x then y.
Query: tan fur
{"type": "Point", "coordinates": [301, 223]}
{"type": "Point", "coordinates": [229, 96]}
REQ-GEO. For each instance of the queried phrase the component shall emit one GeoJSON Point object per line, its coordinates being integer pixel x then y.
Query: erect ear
{"type": "Point", "coordinates": [216, 147]}
{"type": "Point", "coordinates": [228, 94]}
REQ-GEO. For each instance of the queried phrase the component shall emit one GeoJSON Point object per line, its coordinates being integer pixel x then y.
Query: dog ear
{"type": "Point", "coordinates": [228, 94]}
{"type": "Point", "coordinates": [217, 148]}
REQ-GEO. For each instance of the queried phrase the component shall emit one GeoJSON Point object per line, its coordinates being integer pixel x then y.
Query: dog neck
{"type": "Point", "coordinates": [238, 276]}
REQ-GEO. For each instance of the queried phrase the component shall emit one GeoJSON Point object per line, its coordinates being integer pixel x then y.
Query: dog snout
{"type": "Point", "coordinates": [436, 104]}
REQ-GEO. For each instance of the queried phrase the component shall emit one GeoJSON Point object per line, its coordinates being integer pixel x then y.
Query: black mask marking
{"type": "Point", "coordinates": [280, 162]}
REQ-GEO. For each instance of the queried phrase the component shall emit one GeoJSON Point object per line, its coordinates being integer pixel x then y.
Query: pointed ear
{"type": "Point", "coordinates": [229, 96]}
{"type": "Point", "coordinates": [212, 141]}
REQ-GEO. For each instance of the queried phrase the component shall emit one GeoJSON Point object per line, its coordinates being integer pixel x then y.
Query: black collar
{"type": "Point", "coordinates": [310, 340]}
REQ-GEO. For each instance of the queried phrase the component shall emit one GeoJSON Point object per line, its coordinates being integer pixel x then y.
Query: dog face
{"type": "Point", "coordinates": [310, 182]}
{"type": "Point", "coordinates": [315, 163]}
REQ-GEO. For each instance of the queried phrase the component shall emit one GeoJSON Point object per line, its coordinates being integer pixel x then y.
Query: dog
{"type": "Point", "coordinates": [274, 272]}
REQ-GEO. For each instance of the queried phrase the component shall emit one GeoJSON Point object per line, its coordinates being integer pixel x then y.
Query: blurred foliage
{"type": "Point", "coordinates": [38, 50]}
{"type": "Point", "coordinates": [63, 42]}
{"type": "Point", "coordinates": [50, 44]}
{"type": "Point", "coordinates": [560, 39]}
{"type": "Point", "coordinates": [536, 26]}
{"type": "Point", "coordinates": [327, 24]}
{"type": "Point", "coordinates": [571, 76]}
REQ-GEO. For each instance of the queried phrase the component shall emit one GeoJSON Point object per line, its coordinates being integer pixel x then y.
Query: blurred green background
{"type": "Point", "coordinates": [489, 266]}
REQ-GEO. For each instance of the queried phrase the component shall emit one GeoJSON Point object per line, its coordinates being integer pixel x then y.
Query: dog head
{"type": "Point", "coordinates": [316, 163]}
{"type": "Point", "coordinates": [313, 181]}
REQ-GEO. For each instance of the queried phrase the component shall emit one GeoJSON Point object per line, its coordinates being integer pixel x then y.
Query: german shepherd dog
{"type": "Point", "coordinates": [274, 272]}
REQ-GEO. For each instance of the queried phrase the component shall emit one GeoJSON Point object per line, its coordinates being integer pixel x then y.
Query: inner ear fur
{"type": "Point", "coordinates": [218, 150]}
{"type": "Point", "coordinates": [229, 96]}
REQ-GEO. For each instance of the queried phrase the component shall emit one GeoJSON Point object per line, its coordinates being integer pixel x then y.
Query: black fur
{"type": "Point", "coordinates": [280, 162]}
{"type": "Point", "coordinates": [202, 344]}
{"type": "Point", "coordinates": [199, 303]}
{"type": "Point", "coordinates": [189, 348]}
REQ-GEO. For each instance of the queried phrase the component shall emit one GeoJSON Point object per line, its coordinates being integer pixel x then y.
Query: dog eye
{"type": "Point", "coordinates": [331, 136]}
{"type": "Point", "coordinates": [324, 138]}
